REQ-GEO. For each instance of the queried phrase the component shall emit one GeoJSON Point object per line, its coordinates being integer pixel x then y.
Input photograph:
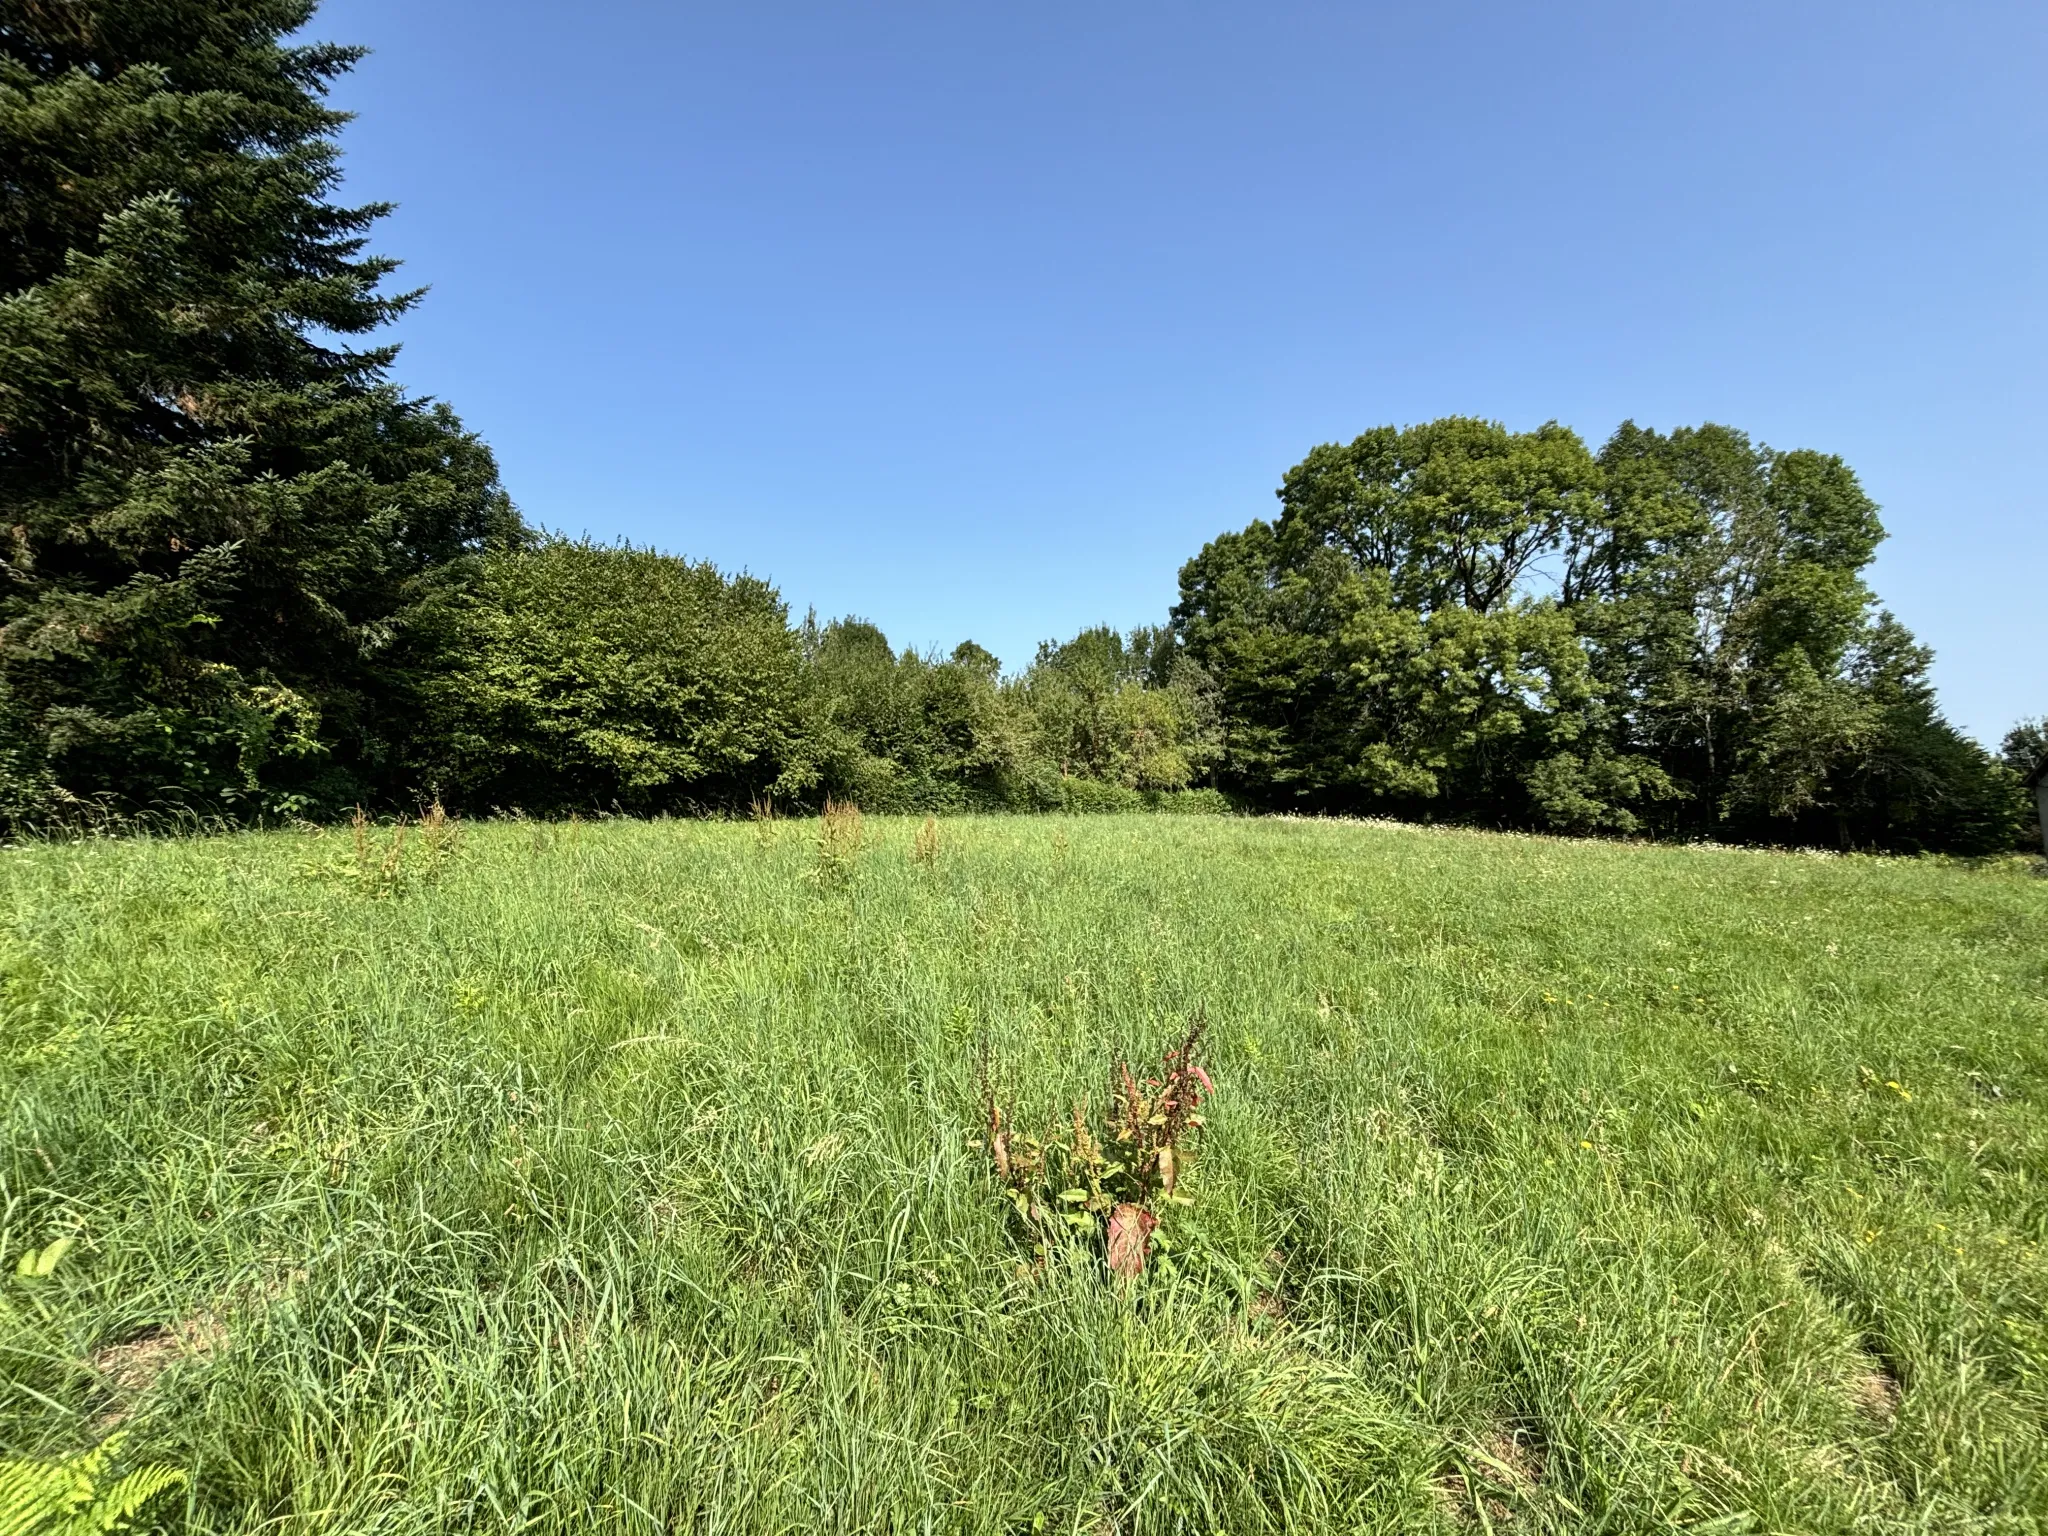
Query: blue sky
{"type": "Point", "coordinates": [978, 320]}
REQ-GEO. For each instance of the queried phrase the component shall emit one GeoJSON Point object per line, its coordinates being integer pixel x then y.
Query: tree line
{"type": "Point", "coordinates": [243, 574]}
{"type": "Point", "coordinates": [1670, 636]}
{"type": "Point", "coordinates": [559, 675]}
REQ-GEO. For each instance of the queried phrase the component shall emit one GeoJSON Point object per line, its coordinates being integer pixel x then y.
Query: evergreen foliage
{"type": "Point", "coordinates": [2025, 747]}
{"type": "Point", "coordinates": [217, 511]}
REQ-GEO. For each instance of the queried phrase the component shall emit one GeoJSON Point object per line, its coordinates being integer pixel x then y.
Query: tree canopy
{"type": "Point", "coordinates": [579, 676]}
{"type": "Point", "coordinates": [219, 510]}
{"type": "Point", "coordinates": [1672, 635]}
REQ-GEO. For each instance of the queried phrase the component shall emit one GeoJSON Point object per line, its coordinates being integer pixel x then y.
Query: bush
{"type": "Point", "coordinates": [577, 674]}
{"type": "Point", "coordinates": [1093, 797]}
{"type": "Point", "coordinates": [909, 733]}
{"type": "Point", "coordinates": [1085, 797]}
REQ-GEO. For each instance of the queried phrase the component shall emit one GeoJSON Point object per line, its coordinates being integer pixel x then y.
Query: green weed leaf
{"type": "Point", "coordinates": [38, 1263]}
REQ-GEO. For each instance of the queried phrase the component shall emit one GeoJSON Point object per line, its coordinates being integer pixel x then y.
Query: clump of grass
{"type": "Point", "coordinates": [924, 848]}
{"type": "Point", "coordinates": [842, 838]}
{"type": "Point", "coordinates": [384, 863]}
{"type": "Point", "coordinates": [441, 836]}
{"type": "Point", "coordinates": [378, 872]}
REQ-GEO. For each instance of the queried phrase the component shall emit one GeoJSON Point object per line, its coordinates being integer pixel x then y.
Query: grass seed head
{"type": "Point", "coordinates": [841, 840]}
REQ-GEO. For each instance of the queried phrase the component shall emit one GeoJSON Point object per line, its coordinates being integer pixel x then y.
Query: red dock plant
{"type": "Point", "coordinates": [1077, 1184]}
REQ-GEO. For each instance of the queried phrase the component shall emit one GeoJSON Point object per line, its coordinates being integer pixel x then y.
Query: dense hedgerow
{"type": "Point", "coordinates": [573, 675]}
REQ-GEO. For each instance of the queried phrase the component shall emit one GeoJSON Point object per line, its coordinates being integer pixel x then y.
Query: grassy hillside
{"type": "Point", "coordinates": [619, 1176]}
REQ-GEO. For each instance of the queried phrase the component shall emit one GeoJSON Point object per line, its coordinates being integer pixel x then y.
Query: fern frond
{"type": "Point", "coordinates": [115, 1506]}
{"type": "Point", "coordinates": [65, 1497]}
{"type": "Point", "coordinates": [40, 1496]}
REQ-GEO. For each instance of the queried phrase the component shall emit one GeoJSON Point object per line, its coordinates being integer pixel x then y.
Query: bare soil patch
{"type": "Point", "coordinates": [131, 1367]}
{"type": "Point", "coordinates": [1876, 1392]}
{"type": "Point", "coordinates": [1499, 1474]}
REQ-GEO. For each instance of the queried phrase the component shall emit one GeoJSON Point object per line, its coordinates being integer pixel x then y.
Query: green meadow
{"type": "Point", "coordinates": [626, 1176]}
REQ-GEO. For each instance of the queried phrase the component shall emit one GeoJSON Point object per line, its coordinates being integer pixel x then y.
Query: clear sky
{"type": "Point", "coordinates": [978, 319]}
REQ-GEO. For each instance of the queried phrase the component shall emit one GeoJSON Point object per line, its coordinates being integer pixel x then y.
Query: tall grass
{"type": "Point", "coordinates": [622, 1177]}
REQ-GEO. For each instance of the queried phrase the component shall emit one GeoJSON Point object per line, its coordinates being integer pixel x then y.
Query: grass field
{"type": "Point", "coordinates": [620, 1176]}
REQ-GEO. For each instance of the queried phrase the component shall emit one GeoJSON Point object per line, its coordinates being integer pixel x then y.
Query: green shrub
{"type": "Point", "coordinates": [1093, 797]}
{"type": "Point", "coordinates": [579, 674]}
{"type": "Point", "coordinates": [909, 733]}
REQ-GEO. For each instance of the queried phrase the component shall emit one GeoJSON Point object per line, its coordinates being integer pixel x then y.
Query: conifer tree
{"type": "Point", "coordinates": [215, 509]}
